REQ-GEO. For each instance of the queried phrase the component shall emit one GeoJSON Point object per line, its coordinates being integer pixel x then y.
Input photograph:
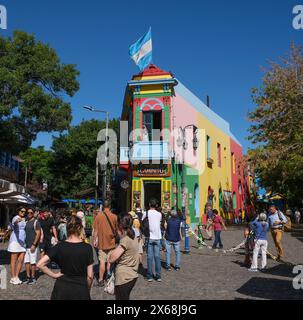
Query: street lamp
{"type": "Point", "coordinates": [92, 109]}
{"type": "Point", "coordinates": [181, 142]}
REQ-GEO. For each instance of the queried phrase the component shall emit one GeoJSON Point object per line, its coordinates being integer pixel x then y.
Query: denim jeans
{"type": "Point", "coordinates": [176, 246]}
{"type": "Point", "coordinates": [153, 252]}
{"type": "Point", "coordinates": [218, 239]}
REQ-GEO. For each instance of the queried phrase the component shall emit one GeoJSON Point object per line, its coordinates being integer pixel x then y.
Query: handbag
{"type": "Point", "coordinates": [116, 236]}
{"type": "Point", "coordinates": [110, 285]}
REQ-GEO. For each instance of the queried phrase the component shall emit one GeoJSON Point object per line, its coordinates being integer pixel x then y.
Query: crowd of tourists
{"type": "Point", "coordinates": [62, 242]}
{"type": "Point", "coordinates": [119, 242]}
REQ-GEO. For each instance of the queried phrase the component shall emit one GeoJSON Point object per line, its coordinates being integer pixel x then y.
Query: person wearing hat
{"type": "Point", "coordinates": [173, 237]}
{"type": "Point", "coordinates": [260, 227]}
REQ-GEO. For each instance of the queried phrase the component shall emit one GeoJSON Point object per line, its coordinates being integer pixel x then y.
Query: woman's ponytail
{"type": "Point", "coordinates": [125, 222]}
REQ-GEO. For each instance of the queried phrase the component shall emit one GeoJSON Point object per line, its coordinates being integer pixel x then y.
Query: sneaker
{"type": "Point", "coordinates": [149, 279]}
{"type": "Point", "coordinates": [263, 269]}
{"type": "Point", "coordinates": [177, 268]}
{"type": "Point", "coordinates": [168, 268]}
{"type": "Point", "coordinates": [100, 283]}
{"type": "Point", "coordinates": [15, 281]}
{"type": "Point", "coordinates": [26, 280]}
{"type": "Point", "coordinates": [253, 270]}
{"type": "Point", "coordinates": [158, 279]}
{"type": "Point", "coordinates": [32, 281]}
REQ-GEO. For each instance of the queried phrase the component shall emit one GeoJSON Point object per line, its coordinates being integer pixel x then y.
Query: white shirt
{"type": "Point", "coordinates": [154, 218]}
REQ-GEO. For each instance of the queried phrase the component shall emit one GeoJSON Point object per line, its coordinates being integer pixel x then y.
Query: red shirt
{"type": "Point", "coordinates": [217, 223]}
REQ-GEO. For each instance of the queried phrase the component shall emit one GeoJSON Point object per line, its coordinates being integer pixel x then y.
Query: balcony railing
{"type": "Point", "coordinates": [124, 155]}
{"type": "Point", "coordinates": [145, 150]}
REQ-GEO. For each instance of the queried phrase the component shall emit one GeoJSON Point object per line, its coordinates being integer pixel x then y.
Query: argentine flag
{"type": "Point", "coordinates": [141, 51]}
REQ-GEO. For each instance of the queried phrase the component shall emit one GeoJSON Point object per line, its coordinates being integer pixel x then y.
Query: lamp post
{"type": "Point", "coordinates": [92, 109]}
{"type": "Point", "coordinates": [182, 142]}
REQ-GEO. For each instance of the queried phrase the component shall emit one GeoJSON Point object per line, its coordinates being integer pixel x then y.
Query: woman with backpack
{"type": "Point", "coordinates": [126, 257]}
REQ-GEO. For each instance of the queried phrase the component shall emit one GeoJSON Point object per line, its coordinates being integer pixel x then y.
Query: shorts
{"type": "Point", "coordinates": [31, 257]}
{"type": "Point", "coordinates": [45, 247]}
{"type": "Point", "coordinates": [104, 254]}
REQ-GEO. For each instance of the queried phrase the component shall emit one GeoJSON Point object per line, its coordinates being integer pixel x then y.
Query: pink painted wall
{"type": "Point", "coordinates": [183, 114]}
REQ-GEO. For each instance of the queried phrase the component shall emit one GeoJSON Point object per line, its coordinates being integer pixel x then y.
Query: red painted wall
{"type": "Point", "coordinates": [236, 149]}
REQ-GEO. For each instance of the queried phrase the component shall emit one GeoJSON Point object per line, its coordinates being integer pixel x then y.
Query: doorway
{"type": "Point", "coordinates": [151, 190]}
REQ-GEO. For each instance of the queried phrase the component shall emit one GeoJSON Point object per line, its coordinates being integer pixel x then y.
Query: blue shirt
{"type": "Point", "coordinates": [210, 214]}
{"type": "Point", "coordinates": [260, 229]}
{"type": "Point", "coordinates": [173, 229]}
{"type": "Point", "coordinates": [275, 217]}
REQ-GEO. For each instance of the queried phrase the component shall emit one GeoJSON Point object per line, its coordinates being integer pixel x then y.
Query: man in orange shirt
{"type": "Point", "coordinates": [104, 237]}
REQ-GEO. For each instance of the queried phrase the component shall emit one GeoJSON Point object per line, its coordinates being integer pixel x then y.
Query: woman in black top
{"type": "Point", "coordinates": [75, 259]}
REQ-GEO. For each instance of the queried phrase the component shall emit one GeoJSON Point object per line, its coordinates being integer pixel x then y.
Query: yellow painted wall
{"type": "Point", "coordinates": [216, 175]}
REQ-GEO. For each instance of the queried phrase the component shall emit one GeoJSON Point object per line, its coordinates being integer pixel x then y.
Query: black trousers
{"type": "Point", "coordinates": [123, 291]}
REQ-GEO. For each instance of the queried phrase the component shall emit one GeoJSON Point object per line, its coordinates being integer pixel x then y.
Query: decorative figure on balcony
{"type": "Point", "coordinates": [145, 135]}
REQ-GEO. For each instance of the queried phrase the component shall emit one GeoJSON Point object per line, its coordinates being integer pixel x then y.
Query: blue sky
{"type": "Point", "coordinates": [212, 47]}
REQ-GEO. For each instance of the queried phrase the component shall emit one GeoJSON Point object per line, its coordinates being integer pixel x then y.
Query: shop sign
{"type": "Point", "coordinates": [152, 171]}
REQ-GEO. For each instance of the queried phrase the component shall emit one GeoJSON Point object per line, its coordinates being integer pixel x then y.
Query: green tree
{"type": "Point", "coordinates": [37, 160]}
{"type": "Point", "coordinates": [277, 127]}
{"type": "Point", "coordinates": [37, 163]}
{"type": "Point", "coordinates": [33, 83]}
{"type": "Point", "coordinates": [74, 158]}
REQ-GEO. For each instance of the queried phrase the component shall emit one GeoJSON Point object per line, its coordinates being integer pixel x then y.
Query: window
{"type": "Point", "coordinates": [208, 142]}
{"type": "Point", "coordinates": [219, 154]}
{"type": "Point", "coordinates": [233, 163]}
{"type": "Point", "coordinates": [152, 120]}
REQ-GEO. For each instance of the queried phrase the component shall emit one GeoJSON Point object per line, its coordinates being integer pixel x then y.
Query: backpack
{"type": "Point", "coordinates": [287, 225]}
{"type": "Point", "coordinates": [145, 226]}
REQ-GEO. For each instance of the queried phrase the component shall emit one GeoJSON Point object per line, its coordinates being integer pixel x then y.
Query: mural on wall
{"type": "Point", "coordinates": [211, 196]}
{"type": "Point", "coordinates": [227, 201]}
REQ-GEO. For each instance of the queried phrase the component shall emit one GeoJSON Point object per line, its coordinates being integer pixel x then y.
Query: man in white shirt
{"type": "Point", "coordinates": [154, 242]}
{"type": "Point", "coordinates": [276, 221]}
{"type": "Point", "coordinates": [297, 216]}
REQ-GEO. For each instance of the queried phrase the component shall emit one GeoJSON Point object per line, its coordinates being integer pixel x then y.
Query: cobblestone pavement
{"type": "Point", "coordinates": [204, 274]}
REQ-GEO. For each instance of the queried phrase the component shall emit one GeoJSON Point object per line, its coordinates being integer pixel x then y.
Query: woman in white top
{"type": "Point", "coordinates": [16, 245]}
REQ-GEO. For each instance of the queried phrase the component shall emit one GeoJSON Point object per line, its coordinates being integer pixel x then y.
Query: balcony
{"type": "Point", "coordinates": [150, 150]}
{"type": "Point", "coordinates": [124, 155]}
{"type": "Point", "coordinates": [145, 151]}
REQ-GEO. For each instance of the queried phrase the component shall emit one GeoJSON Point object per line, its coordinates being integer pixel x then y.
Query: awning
{"type": "Point", "coordinates": [20, 199]}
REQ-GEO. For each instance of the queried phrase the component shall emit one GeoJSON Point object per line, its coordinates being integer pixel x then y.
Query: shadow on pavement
{"type": "Point", "coordinates": [297, 232]}
{"type": "Point", "coordinates": [282, 270]}
{"type": "Point", "coordinates": [272, 289]}
{"type": "Point", "coordinates": [5, 257]}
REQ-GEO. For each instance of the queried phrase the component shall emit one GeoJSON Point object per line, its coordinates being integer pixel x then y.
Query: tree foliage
{"type": "Point", "coordinates": [277, 127]}
{"type": "Point", "coordinates": [74, 157]}
{"type": "Point", "coordinates": [33, 83]}
{"type": "Point", "coordinates": [38, 160]}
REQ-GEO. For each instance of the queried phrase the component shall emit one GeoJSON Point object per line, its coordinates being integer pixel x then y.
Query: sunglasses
{"type": "Point", "coordinates": [30, 212]}
{"type": "Point", "coordinates": [23, 210]}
